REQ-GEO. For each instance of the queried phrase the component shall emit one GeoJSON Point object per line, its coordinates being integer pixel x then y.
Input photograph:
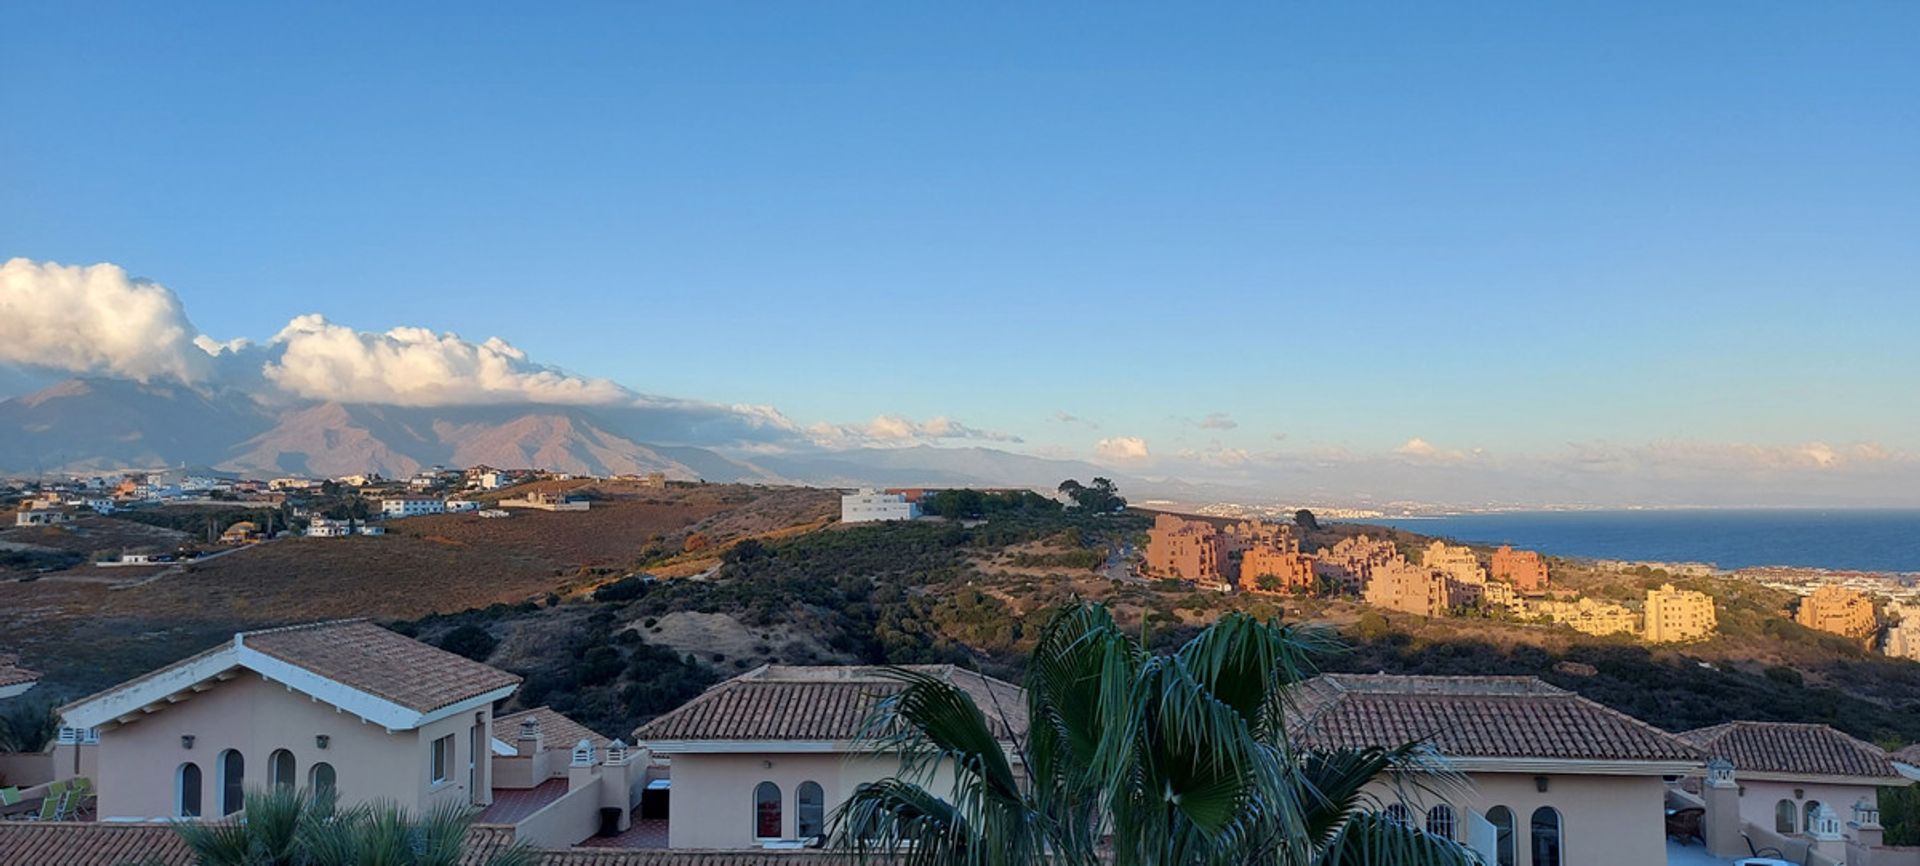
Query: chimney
{"type": "Point", "coordinates": [1824, 829]}
{"type": "Point", "coordinates": [530, 740]}
{"type": "Point", "coordinates": [1867, 832]}
{"type": "Point", "coordinates": [1721, 824]}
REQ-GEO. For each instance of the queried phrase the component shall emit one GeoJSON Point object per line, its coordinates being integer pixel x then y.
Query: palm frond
{"type": "Point", "coordinates": [1371, 839]}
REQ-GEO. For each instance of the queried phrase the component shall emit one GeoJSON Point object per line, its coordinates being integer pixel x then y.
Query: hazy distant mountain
{"type": "Point", "coordinates": [100, 424]}
{"type": "Point", "coordinates": [103, 424]}
{"type": "Point", "coordinates": [106, 423]}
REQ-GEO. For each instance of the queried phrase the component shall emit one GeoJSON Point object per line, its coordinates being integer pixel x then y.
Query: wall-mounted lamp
{"type": "Point", "coordinates": [320, 741]}
{"type": "Point", "coordinates": [1799, 793]}
{"type": "Point", "coordinates": [186, 741]}
{"type": "Point", "coordinates": [1540, 784]}
{"type": "Point", "coordinates": [767, 764]}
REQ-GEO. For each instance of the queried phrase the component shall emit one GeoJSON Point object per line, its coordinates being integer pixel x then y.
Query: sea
{"type": "Point", "coordinates": [1884, 540]}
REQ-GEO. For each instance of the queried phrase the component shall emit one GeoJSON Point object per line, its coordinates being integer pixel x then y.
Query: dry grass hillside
{"type": "Point", "coordinates": [87, 627]}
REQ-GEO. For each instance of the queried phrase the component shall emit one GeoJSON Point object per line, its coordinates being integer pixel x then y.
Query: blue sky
{"type": "Point", "coordinates": [1506, 227]}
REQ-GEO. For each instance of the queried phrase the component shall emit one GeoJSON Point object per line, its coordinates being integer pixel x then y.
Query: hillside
{"type": "Point", "coordinates": [753, 575]}
{"type": "Point", "coordinates": [88, 626]}
{"type": "Point", "coordinates": [933, 592]}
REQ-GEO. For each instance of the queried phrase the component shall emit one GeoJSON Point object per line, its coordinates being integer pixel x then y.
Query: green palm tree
{"type": "Point", "coordinates": [1137, 759]}
{"type": "Point", "coordinates": [285, 827]}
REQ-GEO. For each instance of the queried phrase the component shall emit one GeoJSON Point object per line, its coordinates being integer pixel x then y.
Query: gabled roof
{"type": "Point", "coordinates": [1789, 748]}
{"type": "Point", "coordinates": [11, 674]}
{"type": "Point", "coordinates": [1499, 718]}
{"type": "Point", "coordinates": [818, 704]}
{"type": "Point", "coordinates": [372, 659]}
{"type": "Point", "coordinates": [382, 676]}
{"type": "Point", "coordinates": [556, 731]}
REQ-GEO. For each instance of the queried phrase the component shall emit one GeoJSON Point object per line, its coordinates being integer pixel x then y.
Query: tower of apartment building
{"type": "Point", "coordinates": [1525, 569]}
{"type": "Point", "coordinates": [1185, 550]}
{"type": "Point", "coordinates": [1679, 615]}
{"type": "Point", "coordinates": [1838, 610]}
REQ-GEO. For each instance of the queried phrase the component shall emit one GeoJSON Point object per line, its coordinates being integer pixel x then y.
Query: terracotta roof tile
{"type": "Point", "coordinates": [380, 662]}
{"type": "Point", "coordinates": [1474, 717]}
{"type": "Point", "coordinates": [87, 844]}
{"type": "Point", "coordinates": [11, 674]}
{"type": "Point", "coordinates": [556, 730]}
{"type": "Point", "coordinates": [831, 703]}
{"type": "Point", "coordinates": [1786, 747]}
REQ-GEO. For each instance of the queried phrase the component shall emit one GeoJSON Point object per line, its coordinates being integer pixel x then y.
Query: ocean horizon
{"type": "Point", "coordinates": [1885, 540]}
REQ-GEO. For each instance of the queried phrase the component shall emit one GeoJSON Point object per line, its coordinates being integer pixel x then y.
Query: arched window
{"type": "Point", "coordinates": [811, 809]}
{"type": "Point", "coordinates": [186, 791]}
{"type": "Point", "coordinates": [1440, 821]}
{"type": "Point", "coordinates": [280, 766]}
{"type": "Point", "coordinates": [1398, 814]}
{"type": "Point", "coordinates": [766, 811]}
{"type": "Point", "coordinates": [321, 779]}
{"type": "Point", "coordinates": [1806, 815]}
{"type": "Point", "coordinates": [1546, 837]}
{"type": "Point", "coordinates": [233, 782]}
{"type": "Point", "coordinates": [1784, 816]}
{"type": "Point", "coordinates": [1501, 818]}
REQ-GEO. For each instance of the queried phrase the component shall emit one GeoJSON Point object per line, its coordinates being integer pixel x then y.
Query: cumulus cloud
{"type": "Point", "coordinates": [96, 320]}
{"type": "Point", "coordinates": [1124, 449]}
{"type": "Point", "coordinates": [320, 360]}
{"type": "Point", "coordinates": [1422, 450]}
{"type": "Point", "coordinates": [890, 431]}
{"type": "Point", "coordinates": [1417, 447]}
{"type": "Point", "coordinates": [1216, 421]}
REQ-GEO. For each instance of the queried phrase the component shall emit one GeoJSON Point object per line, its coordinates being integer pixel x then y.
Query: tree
{"type": "Point", "coordinates": [1306, 521]}
{"type": "Point", "coordinates": [1098, 497]}
{"type": "Point", "coordinates": [1171, 759]}
{"type": "Point", "coordinates": [288, 827]}
{"type": "Point", "coordinates": [471, 641]}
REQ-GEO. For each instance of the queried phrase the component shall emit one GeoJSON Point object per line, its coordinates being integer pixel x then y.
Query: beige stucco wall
{"type": "Point", "coordinates": [1604, 820]}
{"type": "Point", "coordinates": [138, 761]}
{"type": "Point", "coordinates": [713, 794]}
{"type": "Point", "coordinates": [1758, 798]}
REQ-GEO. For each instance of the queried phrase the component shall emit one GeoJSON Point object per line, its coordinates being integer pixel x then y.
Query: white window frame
{"type": "Point", "coordinates": [439, 764]}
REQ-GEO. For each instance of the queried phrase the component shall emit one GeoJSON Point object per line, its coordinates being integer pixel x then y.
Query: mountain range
{"type": "Point", "coordinates": [97, 424]}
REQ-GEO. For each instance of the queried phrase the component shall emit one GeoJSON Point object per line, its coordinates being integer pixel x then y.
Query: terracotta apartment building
{"type": "Point", "coordinates": [1525, 569]}
{"type": "Point", "coordinates": [1181, 549]}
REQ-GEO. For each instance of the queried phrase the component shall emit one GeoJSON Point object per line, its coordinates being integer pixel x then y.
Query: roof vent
{"type": "Point", "coordinates": [583, 754]}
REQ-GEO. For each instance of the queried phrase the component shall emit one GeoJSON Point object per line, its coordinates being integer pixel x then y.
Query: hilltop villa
{"type": "Point", "coordinates": [786, 740]}
{"type": "Point", "coordinates": [15, 680]}
{"type": "Point", "coordinates": [349, 707]}
{"type": "Point", "coordinates": [1557, 779]}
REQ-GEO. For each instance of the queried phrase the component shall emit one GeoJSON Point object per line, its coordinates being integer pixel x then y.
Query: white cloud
{"type": "Point", "coordinates": [1417, 447]}
{"type": "Point", "coordinates": [1066, 417]}
{"type": "Point", "coordinates": [886, 431]}
{"type": "Point", "coordinates": [1422, 450]}
{"type": "Point", "coordinates": [95, 320]}
{"type": "Point", "coordinates": [405, 366]}
{"type": "Point", "coordinates": [1216, 421]}
{"type": "Point", "coordinates": [1126, 449]}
